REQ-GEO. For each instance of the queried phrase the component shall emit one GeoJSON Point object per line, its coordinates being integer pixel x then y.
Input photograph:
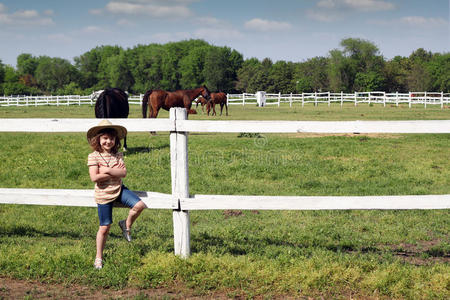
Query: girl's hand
{"type": "Point", "coordinates": [103, 170]}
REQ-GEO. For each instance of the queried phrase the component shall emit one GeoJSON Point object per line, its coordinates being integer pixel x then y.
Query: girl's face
{"type": "Point", "coordinates": [107, 142]}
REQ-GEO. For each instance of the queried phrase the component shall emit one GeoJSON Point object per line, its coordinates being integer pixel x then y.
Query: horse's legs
{"type": "Point", "coordinates": [214, 109]}
{"type": "Point", "coordinates": [153, 114]}
{"type": "Point", "coordinates": [221, 108]}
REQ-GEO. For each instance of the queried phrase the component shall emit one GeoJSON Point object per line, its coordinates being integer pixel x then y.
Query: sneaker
{"type": "Point", "coordinates": [98, 263]}
{"type": "Point", "coordinates": [125, 231]}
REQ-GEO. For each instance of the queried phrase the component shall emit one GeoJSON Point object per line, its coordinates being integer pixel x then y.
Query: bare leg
{"type": "Point", "coordinates": [102, 234]}
{"type": "Point", "coordinates": [134, 213]}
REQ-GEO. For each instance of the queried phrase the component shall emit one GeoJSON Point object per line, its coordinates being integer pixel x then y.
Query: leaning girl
{"type": "Point", "coordinates": [106, 169]}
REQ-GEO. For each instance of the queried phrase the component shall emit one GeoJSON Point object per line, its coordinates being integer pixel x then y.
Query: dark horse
{"type": "Point", "coordinates": [157, 99]}
{"type": "Point", "coordinates": [113, 103]}
{"type": "Point", "coordinates": [217, 98]}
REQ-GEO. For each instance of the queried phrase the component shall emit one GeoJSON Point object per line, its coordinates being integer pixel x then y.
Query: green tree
{"type": "Point", "coordinates": [281, 77]}
{"type": "Point", "coordinates": [192, 66]}
{"type": "Point", "coordinates": [119, 73]}
{"type": "Point", "coordinates": [357, 57]}
{"type": "Point", "coordinates": [219, 71]}
{"type": "Point", "coordinates": [54, 73]}
{"type": "Point", "coordinates": [311, 75]}
{"type": "Point", "coordinates": [245, 75]}
{"type": "Point", "coordinates": [26, 64]}
{"type": "Point", "coordinates": [439, 69]}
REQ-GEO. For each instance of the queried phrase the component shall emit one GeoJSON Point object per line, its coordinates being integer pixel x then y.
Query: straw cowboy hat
{"type": "Point", "coordinates": [121, 131]}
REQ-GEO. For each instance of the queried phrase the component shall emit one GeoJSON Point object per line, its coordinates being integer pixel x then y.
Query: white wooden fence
{"type": "Point", "coordinates": [316, 98]}
{"type": "Point", "coordinates": [411, 98]}
{"type": "Point", "coordinates": [66, 100]}
{"type": "Point", "coordinates": [181, 201]}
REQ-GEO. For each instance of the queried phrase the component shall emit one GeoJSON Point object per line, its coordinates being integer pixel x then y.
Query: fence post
{"type": "Point", "coordinates": [290, 100]}
{"type": "Point", "coordinates": [409, 99]}
{"type": "Point", "coordinates": [442, 99]}
{"type": "Point", "coordinates": [425, 99]}
{"type": "Point", "coordinates": [279, 98]}
{"type": "Point", "coordinates": [303, 99]}
{"type": "Point", "coordinates": [180, 184]}
{"type": "Point", "coordinates": [356, 103]}
{"type": "Point", "coordinates": [342, 98]}
{"type": "Point", "coordinates": [315, 98]}
{"type": "Point", "coordinates": [243, 99]}
{"type": "Point", "coordinates": [329, 99]}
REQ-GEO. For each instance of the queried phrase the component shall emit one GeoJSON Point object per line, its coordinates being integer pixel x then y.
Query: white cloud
{"type": "Point", "coordinates": [59, 37]}
{"type": "Point", "coordinates": [423, 22]}
{"type": "Point", "coordinates": [93, 30]}
{"type": "Point", "coordinates": [334, 10]}
{"type": "Point", "coordinates": [165, 37]}
{"type": "Point", "coordinates": [266, 25]}
{"type": "Point", "coordinates": [323, 16]}
{"type": "Point", "coordinates": [412, 22]}
{"type": "Point", "coordinates": [125, 22]}
{"type": "Point", "coordinates": [217, 33]}
{"type": "Point", "coordinates": [23, 17]}
{"type": "Point", "coordinates": [359, 5]}
{"type": "Point", "coordinates": [151, 9]}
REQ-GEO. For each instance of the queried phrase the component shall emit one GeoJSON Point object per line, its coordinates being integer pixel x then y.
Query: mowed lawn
{"type": "Point", "coordinates": [250, 254]}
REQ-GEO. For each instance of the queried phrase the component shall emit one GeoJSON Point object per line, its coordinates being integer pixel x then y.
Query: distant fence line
{"type": "Point", "coordinates": [316, 98]}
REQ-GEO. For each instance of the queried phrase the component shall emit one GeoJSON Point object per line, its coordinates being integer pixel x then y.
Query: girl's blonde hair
{"type": "Point", "coordinates": [94, 142]}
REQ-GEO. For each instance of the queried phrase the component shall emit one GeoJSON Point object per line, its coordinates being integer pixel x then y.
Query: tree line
{"type": "Point", "coordinates": [356, 66]}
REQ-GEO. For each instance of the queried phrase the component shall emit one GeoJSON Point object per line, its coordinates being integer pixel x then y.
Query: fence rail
{"type": "Point", "coordinates": [382, 98]}
{"type": "Point", "coordinates": [411, 98]}
{"type": "Point", "coordinates": [180, 200]}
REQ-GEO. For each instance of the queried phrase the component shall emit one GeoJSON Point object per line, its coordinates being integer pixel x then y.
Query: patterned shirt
{"type": "Point", "coordinates": [108, 190]}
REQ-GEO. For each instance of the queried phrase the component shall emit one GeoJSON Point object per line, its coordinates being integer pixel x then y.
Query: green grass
{"type": "Point", "coordinates": [322, 112]}
{"type": "Point", "coordinates": [264, 254]}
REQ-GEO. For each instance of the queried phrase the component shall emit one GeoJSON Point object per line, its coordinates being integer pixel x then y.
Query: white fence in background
{"type": "Point", "coordinates": [316, 98]}
{"type": "Point", "coordinates": [66, 100]}
{"type": "Point", "coordinates": [181, 201]}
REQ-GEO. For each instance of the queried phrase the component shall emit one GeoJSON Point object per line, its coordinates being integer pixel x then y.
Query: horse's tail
{"type": "Point", "coordinates": [101, 108]}
{"type": "Point", "coordinates": [145, 100]}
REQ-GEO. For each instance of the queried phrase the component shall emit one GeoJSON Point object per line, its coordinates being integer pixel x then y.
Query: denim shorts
{"type": "Point", "coordinates": [126, 197]}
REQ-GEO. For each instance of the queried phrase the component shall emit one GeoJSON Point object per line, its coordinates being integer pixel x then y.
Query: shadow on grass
{"type": "Point", "coordinates": [33, 232]}
{"type": "Point", "coordinates": [136, 150]}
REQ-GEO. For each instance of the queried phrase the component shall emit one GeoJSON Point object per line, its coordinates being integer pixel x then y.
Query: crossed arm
{"type": "Point", "coordinates": [99, 174]}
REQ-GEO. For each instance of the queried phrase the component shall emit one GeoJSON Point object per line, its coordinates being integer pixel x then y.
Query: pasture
{"type": "Point", "coordinates": [248, 254]}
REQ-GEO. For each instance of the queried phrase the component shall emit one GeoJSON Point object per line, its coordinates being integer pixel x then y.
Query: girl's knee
{"type": "Point", "coordinates": [104, 229]}
{"type": "Point", "coordinates": [139, 206]}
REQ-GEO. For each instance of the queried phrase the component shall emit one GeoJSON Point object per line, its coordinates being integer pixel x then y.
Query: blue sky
{"type": "Point", "coordinates": [291, 30]}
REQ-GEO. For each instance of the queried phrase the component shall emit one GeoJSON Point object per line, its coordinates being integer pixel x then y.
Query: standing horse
{"type": "Point", "coordinates": [217, 98]}
{"type": "Point", "coordinates": [202, 101]}
{"type": "Point", "coordinates": [157, 99]}
{"type": "Point", "coordinates": [113, 103]}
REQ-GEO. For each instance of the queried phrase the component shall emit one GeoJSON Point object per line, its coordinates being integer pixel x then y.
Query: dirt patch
{"type": "Point", "coordinates": [370, 135]}
{"type": "Point", "coordinates": [23, 289]}
{"type": "Point", "coordinates": [421, 253]}
{"type": "Point", "coordinates": [232, 213]}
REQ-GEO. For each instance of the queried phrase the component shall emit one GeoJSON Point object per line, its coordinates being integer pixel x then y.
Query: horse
{"type": "Point", "coordinates": [217, 98]}
{"type": "Point", "coordinates": [157, 99]}
{"type": "Point", "coordinates": [202, 101]}
{"type": "Point", "coordinates": [113, 103]}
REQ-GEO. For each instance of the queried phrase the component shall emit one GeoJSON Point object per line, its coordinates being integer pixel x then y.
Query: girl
{"type": "Point", "coordinates": [106, 169]}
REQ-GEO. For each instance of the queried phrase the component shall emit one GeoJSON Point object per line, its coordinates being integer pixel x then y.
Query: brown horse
{"type": "Point", "coordinates": [217, 98]}
{"type": "Point", "coordinates": [202, 101]}
{"type": "Point", "coordinates": [157, 99]}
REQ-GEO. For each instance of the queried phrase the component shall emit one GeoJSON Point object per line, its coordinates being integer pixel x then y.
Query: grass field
{"type": "Point", "coordinates": [247, 254]}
